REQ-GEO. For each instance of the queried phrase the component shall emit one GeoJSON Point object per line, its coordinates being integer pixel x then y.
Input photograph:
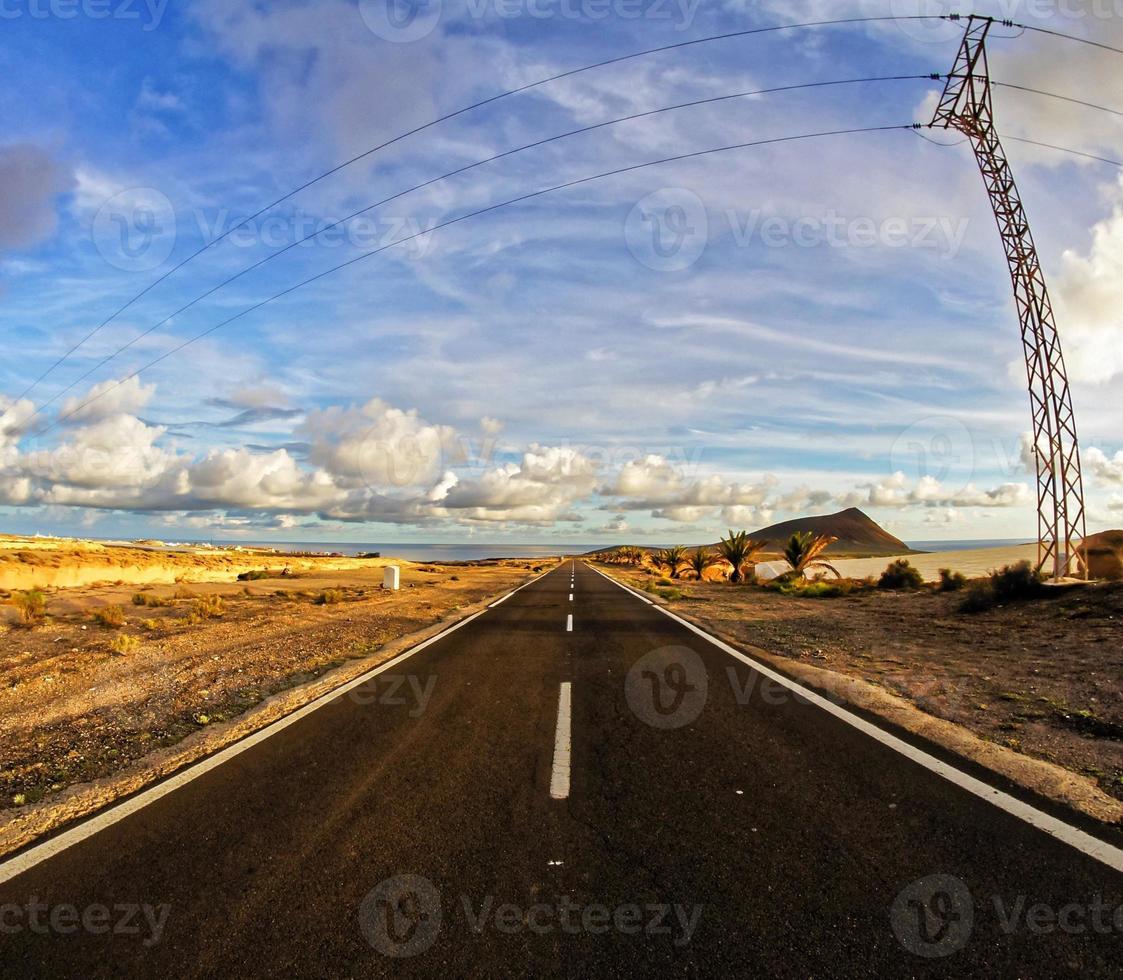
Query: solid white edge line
{"type": "Point", "coordinates": [559, 777]}
{"type": "Point", "coordinates": [1084, 842]}
{"type": "Point", "coordinates": [620, 585]}
{"type": "Point", "coordinates": [115, 813]}
{"type": "Point", "coordinates": [499, 602]}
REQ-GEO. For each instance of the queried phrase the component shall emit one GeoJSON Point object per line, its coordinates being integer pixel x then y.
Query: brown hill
{"type": "Point", "coordinates": [1104, 554]}
{"type": "Point", "coordinates": [858, 535]}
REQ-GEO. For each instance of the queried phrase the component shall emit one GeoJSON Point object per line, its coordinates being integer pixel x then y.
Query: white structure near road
{"type": "Point", "coordinates": [392, 577]}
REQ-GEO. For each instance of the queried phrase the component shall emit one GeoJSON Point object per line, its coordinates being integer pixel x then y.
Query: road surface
{"type": "Point", "coordinates": [575, 784]}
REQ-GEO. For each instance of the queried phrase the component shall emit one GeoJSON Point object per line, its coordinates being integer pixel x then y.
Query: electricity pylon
{"type": "Point", "coordinates": [966, 106]}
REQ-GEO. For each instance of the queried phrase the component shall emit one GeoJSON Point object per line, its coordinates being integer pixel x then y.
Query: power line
{"type": "Point", "coordinates": [917, 127]}
{"type": "Point", "coordinates": [1053, 95]}
{"type": "Point", "coordinates": [1067, 37]}
{"type": "Point", "coordinates": [464, 217]}
{"type": "Point", "coordinates": [1063, 149]}
{"type": "Point", "coordinates": [460, 170]}
{"type": "Point", "coordinates": [445, 118]}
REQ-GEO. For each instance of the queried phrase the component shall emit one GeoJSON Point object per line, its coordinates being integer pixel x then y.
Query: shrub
{"type": "Point", "coordinates": [952, 581]}
{"type": "Point", "coordinates": [31, 606]}
{"type": "Point", "coordinates": [110, 617]}
{"type": "Point", "coordinates": [149, 599]}
{"type": "Point", "coordinates": [182, 593]}
{"type": "Point", "coordinates": [329, 597]}
{"type": "Point", "coordinates": [255, 575]}
{"type": "Point", "coordinates": [900, 575]}
{"type": "Point", "coordinates": [979, 598]}
{"type": "Point", "coordinates": [207, 607]}
{"type": "Point", "coordinates": [123, 644]}
{"type": "Point", "coordinates": [1015, 582]}
{"type": "Point", "coordinates": [151, 624]}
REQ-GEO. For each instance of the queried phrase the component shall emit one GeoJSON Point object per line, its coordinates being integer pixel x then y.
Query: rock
{"type": "Point", "coordinates": [1104, 554]}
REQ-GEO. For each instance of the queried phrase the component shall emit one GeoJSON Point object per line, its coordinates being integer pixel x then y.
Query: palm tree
{"type": "Point", "coordinates": [700, 559]}
{"type": "Point", "coordinates": [738, 549]}
{"type": "Point", "coordinates": [804, 550]}
{"type": "Point", "coordinates": [671, 558]}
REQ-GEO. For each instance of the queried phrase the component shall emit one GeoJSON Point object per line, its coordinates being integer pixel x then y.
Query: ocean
{"type": "Point", "coordinates": [423, 552]}
{"type": "Point", "coordinates": [967, 545]}
{"type": "Point", "coordinates": [477, 552]}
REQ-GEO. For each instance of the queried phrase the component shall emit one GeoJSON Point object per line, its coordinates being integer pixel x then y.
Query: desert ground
{"type": "Point", "coordinates": [118, 683]}
{"type": "Point", "coordinates": [1041, 677]}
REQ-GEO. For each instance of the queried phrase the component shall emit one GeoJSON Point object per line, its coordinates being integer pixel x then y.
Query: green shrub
{"type": "Point", "coordinates": [952, 581]}
{"type": "Point", "coordinates": [31, 606]}
{"type": "Point", "coordinates": [900, 575]}
{"type": "Point", "coordinates": [255, 575]}
{"type": "Point", "coordinates": [329, 597]}
{"type": "Point", "coordinates": [1016, 582]}
{"type": "Point", "coordinates": [111, 617]}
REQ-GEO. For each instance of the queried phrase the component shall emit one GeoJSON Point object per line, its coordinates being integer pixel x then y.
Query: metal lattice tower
{"type": "Point", "coordinates": [966, 106]}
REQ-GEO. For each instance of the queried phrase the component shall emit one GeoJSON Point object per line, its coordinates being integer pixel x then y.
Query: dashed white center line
{"type": "Point", "coordinates": [570, 596]}
{"type": "Point", "coordinates": [559, 778]}
{"type": "Point", "coordinates": [569, 623]}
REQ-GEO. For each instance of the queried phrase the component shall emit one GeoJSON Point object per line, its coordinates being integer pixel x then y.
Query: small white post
{"type": "Point", "coordinates": [391, 578]}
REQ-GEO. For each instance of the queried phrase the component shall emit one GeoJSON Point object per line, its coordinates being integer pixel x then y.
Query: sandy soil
{"type": "Point", "coordinates": [1043, 678]}
{"type": "Point", "coordinates": [973, 564]}
{"type": "Point", "coordinates": [36, 563]}
{"type": "Point", "coordinates": [74, 709]}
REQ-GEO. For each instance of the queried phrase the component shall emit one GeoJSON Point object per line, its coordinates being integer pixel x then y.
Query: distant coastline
{"type": "Point", "coordinates": [422, 552]}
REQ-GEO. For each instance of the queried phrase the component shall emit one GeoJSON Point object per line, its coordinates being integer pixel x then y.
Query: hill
{"type": "Point", "coordinates": [857, 534]}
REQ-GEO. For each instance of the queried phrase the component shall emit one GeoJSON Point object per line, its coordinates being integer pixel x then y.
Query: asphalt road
{"type": "Point", "coordinates": [698, 820]}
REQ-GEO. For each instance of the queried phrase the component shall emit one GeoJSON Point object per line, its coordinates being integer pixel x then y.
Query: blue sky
{"type": "Point", "coordinates": [658, 355]}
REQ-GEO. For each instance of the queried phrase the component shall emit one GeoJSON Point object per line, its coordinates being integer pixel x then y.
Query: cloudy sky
{"type": "Point", "coordinates": [656, 355]}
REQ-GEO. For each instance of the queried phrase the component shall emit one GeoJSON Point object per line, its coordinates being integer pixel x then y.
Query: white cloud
{"type": "Point", "coordinates": [542, 488]}
{"type": "Point", "coordinates": [654, 483]}
{"type": "Point", "coordinates": [1106, 469]}
{"type": "Point", "coordinates": [896, 491]}
{"type": "Point", "coordinates": [1089, 299]}
{"type": "Point", "coordinates": [108, 398]}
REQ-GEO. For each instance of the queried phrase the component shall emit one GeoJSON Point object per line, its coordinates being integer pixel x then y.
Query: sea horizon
{"type": "Point", "coordinates": [470, 551]}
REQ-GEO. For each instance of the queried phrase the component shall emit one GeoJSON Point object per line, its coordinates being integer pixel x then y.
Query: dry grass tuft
{"type": "Point", "coordinates": [124, 644]}
{"type": "Point", "coordinates": [111, 617]}
{"type": "Point", "coordinates": [31, 606]}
